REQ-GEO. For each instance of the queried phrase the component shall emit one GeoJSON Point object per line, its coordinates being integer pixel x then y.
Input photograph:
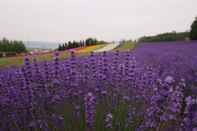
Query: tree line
{"type": "Point", "coordinates": [81, 43]}
{"type": "Point", "coordinates": [169, 36]}
{"type": "Point", "coordinates": [173, 36]}
{"type": "Point", "coordinates": [11, 48]}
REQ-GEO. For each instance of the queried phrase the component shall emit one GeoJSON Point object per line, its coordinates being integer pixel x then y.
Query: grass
{"type": "Point", "coordinates": [12, 61]}
{"type": "Point", "coordinates": [125, 46]}
{"type": "Point", "coordinates": [18, 60]}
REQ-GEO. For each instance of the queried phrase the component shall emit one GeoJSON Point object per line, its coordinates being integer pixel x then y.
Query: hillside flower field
{"type": "Point", "coordinates": [150, 88]}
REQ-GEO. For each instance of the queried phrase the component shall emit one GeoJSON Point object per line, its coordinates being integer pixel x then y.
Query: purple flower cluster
{"type": "Point", "coordinates": [190, 119]}
{"type": "Point", "coordinates": [108, 120]}
{"type": "Point", "coordinates": [152, 87]}
{"type": "Point", "coordinates": [90, 103]}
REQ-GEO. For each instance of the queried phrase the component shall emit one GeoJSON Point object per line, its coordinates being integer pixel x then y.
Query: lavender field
{"type": "Point", "coordinates": [151, 88]}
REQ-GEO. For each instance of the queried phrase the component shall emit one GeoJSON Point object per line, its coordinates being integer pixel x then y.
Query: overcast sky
{"type": "Point", "coordinates": [62, 20]}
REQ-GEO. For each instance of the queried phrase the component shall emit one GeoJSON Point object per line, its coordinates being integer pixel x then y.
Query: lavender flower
{"type": "Point", "coordinates": [108, 120]}
{"type": "Point", "coordinates": [157, 82]}
{"type": "Point", "coordinates": [90, 102]}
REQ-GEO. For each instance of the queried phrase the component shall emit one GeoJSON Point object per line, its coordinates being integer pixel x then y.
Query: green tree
{"type": "Point", "coordinates": [65, 45]}
{"type": "Point", "coordinates": [60, 47]}
{"type": "Point", "coordinates": [90, 41]}
{"type": "Point", "coordinates": [193, 32]}
{"type": "Point", "coordinates": [12, 47]}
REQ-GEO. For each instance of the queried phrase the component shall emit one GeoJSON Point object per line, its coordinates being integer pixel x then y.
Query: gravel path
{"type": "Point", "coordinates": [108, 47]}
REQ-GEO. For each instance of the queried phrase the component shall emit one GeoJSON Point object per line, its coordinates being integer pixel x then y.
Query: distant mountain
{"type": "Point", "coordinates": [41, 45]}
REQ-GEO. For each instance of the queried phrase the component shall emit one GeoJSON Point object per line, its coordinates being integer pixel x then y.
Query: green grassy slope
{"type": "Point", "coordinates": [125, 46]}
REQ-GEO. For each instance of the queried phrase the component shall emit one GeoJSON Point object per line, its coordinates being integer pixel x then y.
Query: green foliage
{"type": "Point", "coordinates": [100, 117]}
{"type": "Point", "coordinates": [82, 125]}
{"type": "Point", "coordinates": [193, 32]}
{"type": "Point", "coordinates": [11, 47]}
{"type": "Point", "coordinates": [169, 36]}
{"type": "Point", "coordinates": [90, 41]}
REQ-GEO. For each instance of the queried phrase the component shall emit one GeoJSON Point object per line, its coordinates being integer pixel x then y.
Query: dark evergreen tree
{"type": "Point", "coordinates": [60, 47]}
{"type": "Point", "coordinates": [69, 45]}
{"type": "Point", "coordinates": [65, 45]}
{"type": "Point", "coordinates": [193, 32]}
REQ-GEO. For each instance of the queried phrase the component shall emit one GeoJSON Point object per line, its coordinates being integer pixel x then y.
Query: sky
{"type": "Point", "coordinates": [110, 20]}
